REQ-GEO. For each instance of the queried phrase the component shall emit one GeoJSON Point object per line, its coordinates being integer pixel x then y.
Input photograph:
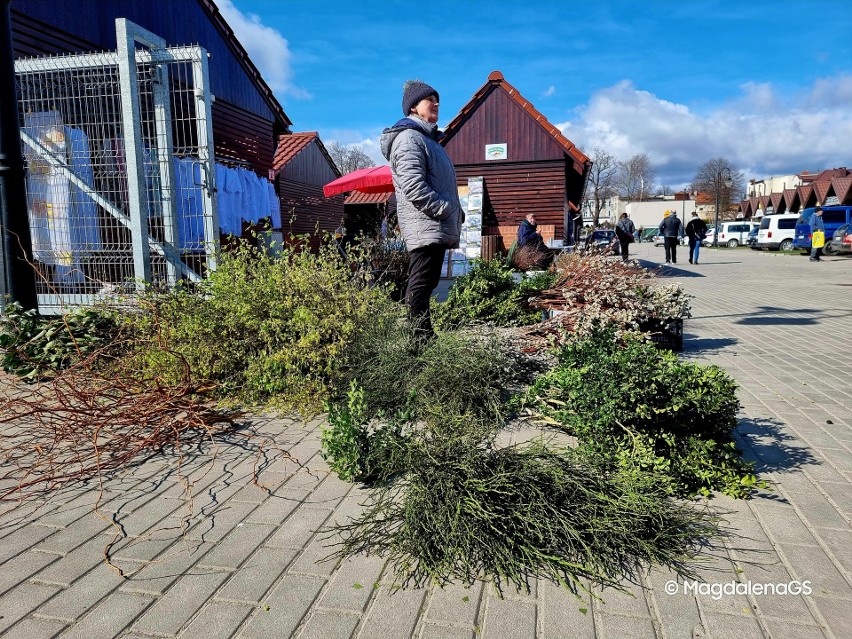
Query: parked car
{"type": "Point", "coordinates": [777, 232]}
{"type": "Point", "coordinates": [833, 217]}
{"type": "Point", "coordinates": [751, 240]}
{"type": "Point", "coordinates": [600, 239]}
{"type": "Point", "coordinates": [841, 241]}
{"type": "Point", "coordinates": [731, 234]}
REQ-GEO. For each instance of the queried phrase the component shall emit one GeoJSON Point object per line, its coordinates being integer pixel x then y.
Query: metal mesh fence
{"type": "Point", "coordinates": [81, 186]}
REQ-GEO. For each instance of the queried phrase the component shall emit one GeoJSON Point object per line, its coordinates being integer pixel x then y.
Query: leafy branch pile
{"type": "Point", "coordinates": [490, 294]}
{"type": "Point", "coordinates": [36, 347]}
{"type": "Point", "coordinates": [640, 410]}
{"type": "Point", "coordinates": [511, 515]}
{"type": "Point", "coordinates": [420, 424]}
{"type": "Point", "coordinates": [262, 329]}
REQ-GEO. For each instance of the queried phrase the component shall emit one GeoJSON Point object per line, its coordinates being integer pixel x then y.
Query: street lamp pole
{"type": "Point", "coordinates": [725, 171]}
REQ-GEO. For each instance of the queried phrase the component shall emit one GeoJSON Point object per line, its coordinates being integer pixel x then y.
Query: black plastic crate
{"type": "Point", "coordinates": [664, 334]}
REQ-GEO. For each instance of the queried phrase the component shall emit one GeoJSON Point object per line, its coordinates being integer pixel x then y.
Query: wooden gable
{"type": "Point", "coordinates": [791, 200]}
{"type": "Point", "coordinates": [541, 172]}
{"type": "Point", "coordinates": [821, 190]}
{"type": "Point", "coordinates": [842, 188]}
{"type": "Point", "coordinates": [498, 119]}
{"type": "Point", "coordinates": [302, 167]}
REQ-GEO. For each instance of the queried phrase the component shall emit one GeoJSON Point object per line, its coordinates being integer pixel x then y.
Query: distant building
{"type": "Point", "coordinates": [791, 193]}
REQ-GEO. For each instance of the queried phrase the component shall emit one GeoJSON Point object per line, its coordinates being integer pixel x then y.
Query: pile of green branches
{"type": "Point", "coordinates": [489, 293]}
{"type": "Point", "coordinates": [642, 410]}
{"type": "Point", "coordinates": [37, 347]}
{"type": "Point", "coordinates": [401, 389]}
{"type": "Point", "coordinates": [510, 515]}
{"type": "Point", "coordinates": [419, 424]}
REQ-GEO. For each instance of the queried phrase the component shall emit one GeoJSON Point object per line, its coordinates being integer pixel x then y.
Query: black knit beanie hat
{"type": "Point", "coordinates": [412, 92]}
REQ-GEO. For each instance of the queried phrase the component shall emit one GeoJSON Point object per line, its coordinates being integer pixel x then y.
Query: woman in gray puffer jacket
{"type": "Point", "coordinates": [428, 209]}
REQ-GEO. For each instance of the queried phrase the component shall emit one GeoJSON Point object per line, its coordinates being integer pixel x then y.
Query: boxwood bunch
{"type": "Point", "coordinates": [490, 294]}
{"type": "Point", "coordinates": [645, 410]}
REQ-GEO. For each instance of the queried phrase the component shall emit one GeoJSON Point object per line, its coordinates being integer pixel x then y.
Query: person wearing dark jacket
{"type": "Point", "coordinates": [624, 230]}
{"type": "Point", "coordinates": [696, 230]}
{"type": "Point", "coordinates": [528, 235]}
{"type": "Point", "coordinates": [671, 229]}
{"type": "Point", "coordinates": [428, 208]}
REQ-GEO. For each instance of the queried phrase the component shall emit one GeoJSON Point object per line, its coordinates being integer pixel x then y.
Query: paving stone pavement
{"type": "Point", "coordinates": [249, 562]}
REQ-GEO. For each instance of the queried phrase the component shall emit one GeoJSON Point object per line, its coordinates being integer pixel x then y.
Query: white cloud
{"type": "Point", "coordinates": [267, 48]}
{"type": "Point", "coordinates": [550, 91]}
{"type": "Point", "coordinates": [759, 132]}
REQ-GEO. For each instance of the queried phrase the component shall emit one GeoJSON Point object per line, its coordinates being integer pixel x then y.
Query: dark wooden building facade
{"type": "Point", "coordinates": [247, 119]}
{"type": "Point", "coordinates": [541, 171]}
{"type": "Point", "coordinates": [302, 166]}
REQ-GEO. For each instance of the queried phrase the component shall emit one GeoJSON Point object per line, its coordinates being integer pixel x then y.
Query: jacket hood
{"type": "Point", "coordinates": [389, 135]}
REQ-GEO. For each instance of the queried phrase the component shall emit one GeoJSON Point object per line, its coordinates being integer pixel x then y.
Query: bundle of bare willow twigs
{"type": "Point", "coordinates": [591, 286]}
{"type": "Point", "coordinates": [85, 423]}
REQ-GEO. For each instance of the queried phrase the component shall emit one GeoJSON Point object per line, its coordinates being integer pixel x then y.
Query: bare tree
{"type": "Point", "coordinates": [707, 180]}
{"type": "Point", "coordinates": [636, 177]}
{"type": "Point", "coordinates": [663, 189]}
{"type": "Point", "coordinates": [602, 180]}
{"type": "Point", "coordinates": [349, 158]}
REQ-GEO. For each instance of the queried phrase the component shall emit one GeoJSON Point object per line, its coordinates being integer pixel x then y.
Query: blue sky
{"type": "Point", "coordinates": [766, 84]}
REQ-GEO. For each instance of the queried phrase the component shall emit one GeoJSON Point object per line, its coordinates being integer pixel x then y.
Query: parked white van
{"type": "Point", "coordinates": [731, 234]}
{"type": "Point", "coordinates": [777, 231]}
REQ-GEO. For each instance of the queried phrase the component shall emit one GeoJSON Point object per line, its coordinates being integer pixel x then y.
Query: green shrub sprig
{"type": "Point", "coordinates": [645, 410]}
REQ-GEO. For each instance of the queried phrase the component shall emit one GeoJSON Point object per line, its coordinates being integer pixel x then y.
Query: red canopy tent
{"type": "Point", "coordinates": [373, 179]}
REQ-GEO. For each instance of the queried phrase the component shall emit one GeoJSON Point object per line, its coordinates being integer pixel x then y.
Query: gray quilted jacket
{"type": "Point", "coordinates": [427, 198]}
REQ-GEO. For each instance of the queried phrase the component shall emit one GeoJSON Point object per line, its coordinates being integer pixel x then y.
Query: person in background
{"type": "Point", "coordinates": [671, 229]}
{"type": "Point", "coordinates": [625, 230]}
{"type": "Point", "coordinates": [429, 213]}
{"type": "Point", "coordinates": [696, 230]}
{"type": "Point", "coordinates": [816, 225]}
{"type": "Point", "coordinates": [528, 235]}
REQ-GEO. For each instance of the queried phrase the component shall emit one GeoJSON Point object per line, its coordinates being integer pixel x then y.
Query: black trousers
{"type": "Point", "coordinates": [624, 250]}
{"type": "Point", "coordinates": [671, 248]}
{"type": "Point", "coordinates": [424, 273]}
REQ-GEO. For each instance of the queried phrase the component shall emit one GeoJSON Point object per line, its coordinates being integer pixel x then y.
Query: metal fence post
{"type": "Point", "coordinates": [126, 35]}
{"type": "Point", "coordinates": [204, 123]}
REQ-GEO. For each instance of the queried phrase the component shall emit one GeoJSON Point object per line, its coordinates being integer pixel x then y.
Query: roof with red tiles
{"type": "Point", "coordinates": [821, 190]}
{"type": "Point", "coordinates": [356, 197]}
{"type": "Point", "coordinates": [497, 81]}
{"type": "Point", "coordinates": [824, 176]}
{"type": "Point", "coordinates": [790, 198]}
{"type": "Point", "coordinates": [842, 186]}
{"type": "Point", "coordinates": [775, 199]}
{"type": "Point", "coordinates": [290, 145]}
{"type": "Point", "coordinates": [805, 192]}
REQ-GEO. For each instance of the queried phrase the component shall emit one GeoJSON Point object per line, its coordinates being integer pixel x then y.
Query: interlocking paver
{"type": "Point", "coordinates": [217, 620]}
{"type": "Point", "coordinates": [19, 602]}
{"type": "Point", "coordinates": [353, 584]}
{"type": "Point", "coordinates": [284, 608]}
{"type": "Point", "coordinates": [34, 628]}
{"type": "Point", "coordinates": [180, 603]}
{"type": "Point", "coordinates": [329, 625]}
{"type": "Point", "coordinates": [393, 613]}
{"type": "Point", "coordinates": [110, 617]}
{"type": "Point", "coordinates": [255, 577]}
{"type": "Point", "coordinates": [505, 619]}
{"type": "Point", "coordinates": [22, 567]}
